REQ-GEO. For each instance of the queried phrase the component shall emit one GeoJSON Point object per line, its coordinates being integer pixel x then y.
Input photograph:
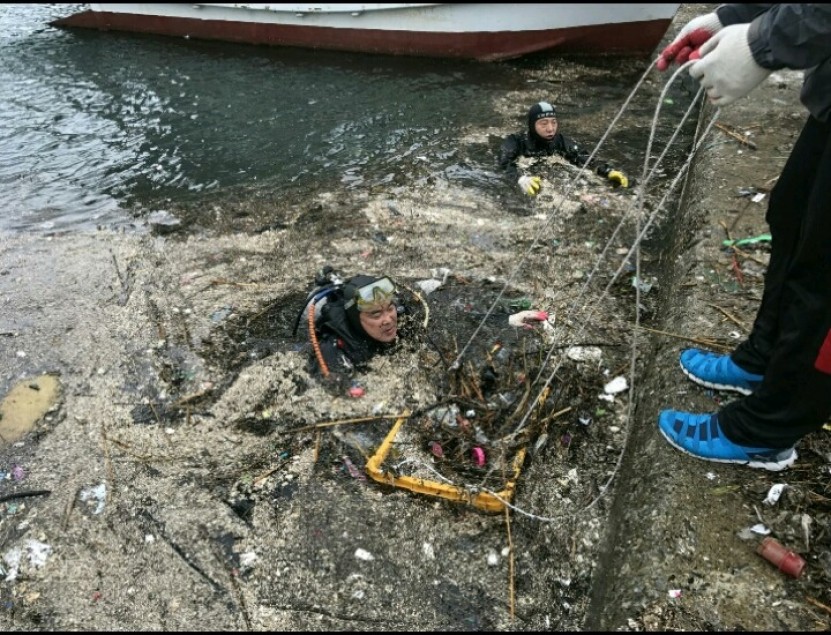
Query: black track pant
{"type": "Point", "coordinates": [791, 338]}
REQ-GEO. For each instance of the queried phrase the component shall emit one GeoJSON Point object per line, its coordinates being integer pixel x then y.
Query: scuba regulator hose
{"type": "Point", "coordinates": [313, 337]}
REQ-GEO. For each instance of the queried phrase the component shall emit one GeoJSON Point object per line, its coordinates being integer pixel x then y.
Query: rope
{"type": "Point", "coordinates": [641, 231]}
{"type": "Point", "coordinates": [457, 363]}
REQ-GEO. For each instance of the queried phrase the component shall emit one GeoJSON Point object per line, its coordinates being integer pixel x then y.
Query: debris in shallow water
{"type": "Point", "coordinates": [163, 222]}
{"type": "Point", "coordinates": [584, 353]}
{"type": "Point", "coordinates": [644, 286]}
{"type": "Point", "coordinates": [784, 559]}
{"type": "Point", "coordinates": [760, 530]}
{"type": "Point", "coordinates": [247, 559]}
{"type": "Point", "coordinates": [617, 385]}
{"type": "Point", "coordinates": [354, 472]}
{"type": "Point", "coordinates": [747, 241]}
{"type": "Point", "coordinates": [774, 494]}
{"type": "Point", "coordinates": [428, 286]}
{"type": "Point", "coordinates": [98, 494]}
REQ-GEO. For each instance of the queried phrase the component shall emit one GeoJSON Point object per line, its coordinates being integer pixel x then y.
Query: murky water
{"type": "Point", "coordinates": [96, 127]}
{"type": "Point", "coordinates": [102, 128]}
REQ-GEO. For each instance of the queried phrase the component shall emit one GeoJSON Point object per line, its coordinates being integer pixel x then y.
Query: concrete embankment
{"type": "Point", "coordinates": [678, 555]}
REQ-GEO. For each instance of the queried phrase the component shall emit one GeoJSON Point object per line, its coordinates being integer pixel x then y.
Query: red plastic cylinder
{"type": "Point", "coordinates": [784, 559]}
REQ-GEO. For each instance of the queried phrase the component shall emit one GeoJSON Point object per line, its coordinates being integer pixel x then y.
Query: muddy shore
{"type": "Point", "coordinates": [176, 493]}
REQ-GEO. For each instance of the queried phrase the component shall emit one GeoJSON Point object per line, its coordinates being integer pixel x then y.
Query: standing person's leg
{"type": "Point", "coordinates": [788, 206]}
{"type": "Point", "coordinates": [743, 369]}
{"type": "Point", "coordinates": [795, 395]}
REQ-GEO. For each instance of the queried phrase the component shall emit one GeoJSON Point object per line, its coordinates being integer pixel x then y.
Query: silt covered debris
{"type": "Point", "coordinates": [199, 476]}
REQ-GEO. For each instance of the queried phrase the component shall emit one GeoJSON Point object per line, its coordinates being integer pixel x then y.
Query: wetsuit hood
{"type": "Point", "coordinates": [540, 110]}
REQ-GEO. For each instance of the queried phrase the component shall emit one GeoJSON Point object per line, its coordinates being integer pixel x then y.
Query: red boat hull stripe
{"type": "Point", "coordinates": [622, 39]}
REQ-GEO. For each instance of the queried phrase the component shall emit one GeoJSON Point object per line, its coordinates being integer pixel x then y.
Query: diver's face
{"type": "Point", "coordinates": [381, 322]}
{"type": "Point", "coordinates": [546, 128]}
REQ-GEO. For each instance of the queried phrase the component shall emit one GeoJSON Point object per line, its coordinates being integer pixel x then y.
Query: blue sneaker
{"type": "Point", "coordinates": [717, 371]}
{"type": "Point", "coordinates": [700, 436]}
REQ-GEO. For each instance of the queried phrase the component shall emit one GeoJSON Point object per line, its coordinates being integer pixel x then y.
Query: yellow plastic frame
{"type": "Point", "coordinates": [483, 500]}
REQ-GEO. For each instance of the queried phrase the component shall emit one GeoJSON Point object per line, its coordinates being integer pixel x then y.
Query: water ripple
{"type": "Point", "coordinates": [96, 128]}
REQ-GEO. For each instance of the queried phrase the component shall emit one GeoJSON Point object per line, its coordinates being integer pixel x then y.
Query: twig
{"type": "Point", "coordinates": [162, 529]}
{"type": "Point", "coordinates": [317, 447]}
{"type": "Point", "coordinates": [240, 599]}
{"type": "Point", "coordinates": [69, 507]}
{"type": "Point", "coordinates": [218, 281]}
{"type": "Point", "coordinates": [744, 254]}
{"type": "Point", "coordinates": [557, 414]}
{"type": "Point", "coordinates": [107, 463]}
{"type": "Point", "coordinates": [737, 270]}
{"type": "Point", "coordinates": [144, 458]}
{"type": "Point", "coordinates": [727, 314]}
{"type": "Point", "coordinates": [25, 494]}
{"type": "Point", "coordinates": [232, 574]}
{"type": "Point", "coordinates": [703, 342]}
{"type": "Point", "coordinates": [737, 137]}
{"type": "Point", "coordinates": [342, 421]}
{"type": "Point", "coordinates": [258, 479]}
{"type": "Point", "coordinates": [259, 313]}
{"type": "Point", "coordinates": [726, 231]}
{"type": "Point", "coordinates": [155, 413]}
{"type": "Point", "coordinates": [192, 397]}
{"type": "Point", "coordinates": [510, 561]}
{"type": "Point", "coordinates": [818, 604]}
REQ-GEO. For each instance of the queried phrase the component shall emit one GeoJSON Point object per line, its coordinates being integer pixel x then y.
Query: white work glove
{"type": "Point", "coordinates": [529, 184]}
{"type": "Point", "coordinates": [694, 34]}
{"type": "Point", "coordinates": [727, 69]}
{"type": "Point", "coordinates": [526, 319]}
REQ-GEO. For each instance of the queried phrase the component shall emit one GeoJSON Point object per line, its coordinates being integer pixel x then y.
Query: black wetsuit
{"type": "Point", "coordinates": [342, 346]}
{"type": "Point", "coordinates": [530, 144]}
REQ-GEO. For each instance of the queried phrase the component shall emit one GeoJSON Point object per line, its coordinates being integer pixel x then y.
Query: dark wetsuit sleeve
{"type": "Point", "coordinates": [510, 151]}
{"type": "Point", "coordinates": [575, 155]}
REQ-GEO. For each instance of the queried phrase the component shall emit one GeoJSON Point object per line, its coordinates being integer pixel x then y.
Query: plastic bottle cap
{"type": "Point", "coordinates": [478, 455]}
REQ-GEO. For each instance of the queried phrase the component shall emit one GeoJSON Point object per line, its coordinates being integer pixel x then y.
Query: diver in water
{"type": "Point", "coordinates": [544, 139]}
{"type": "Point", "coordinates": [353, 321]}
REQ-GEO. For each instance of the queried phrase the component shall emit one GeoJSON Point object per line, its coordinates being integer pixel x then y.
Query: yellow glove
{"type": "Point", "coordinates": [618, 178]}
{"type": "Point", "coordinates": [529, 184]}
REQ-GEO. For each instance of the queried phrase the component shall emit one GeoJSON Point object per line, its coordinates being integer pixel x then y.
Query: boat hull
{"type": "Point", "coordinates": [637, 37]}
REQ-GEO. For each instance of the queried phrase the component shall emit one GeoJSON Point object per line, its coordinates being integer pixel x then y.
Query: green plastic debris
{"type": "Point", "coordinates": [721, 490]}
{"type": "Point", "coordinates": [761, 238]}
{"type": "Point", "coordinates": [518, 304]}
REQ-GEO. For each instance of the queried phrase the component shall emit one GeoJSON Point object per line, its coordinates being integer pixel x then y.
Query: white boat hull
{"type": "Point", "coordinates": [475, 31]}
